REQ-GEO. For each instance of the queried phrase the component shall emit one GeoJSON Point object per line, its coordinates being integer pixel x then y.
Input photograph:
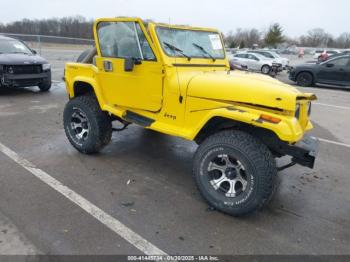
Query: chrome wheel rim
{"type": "Point", "coordinates": [80, 125]}
{"type": "Point", "coordinates": [227, 176]}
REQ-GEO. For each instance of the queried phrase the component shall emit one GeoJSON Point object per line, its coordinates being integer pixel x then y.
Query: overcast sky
{"type": "Point", "coordinates": [296, 16]}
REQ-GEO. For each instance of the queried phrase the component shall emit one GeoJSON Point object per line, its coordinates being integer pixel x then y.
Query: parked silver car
{"type": "Point", "coordinates": [254, 62]}
{"type": "Point", "coordinates": [272, 55]}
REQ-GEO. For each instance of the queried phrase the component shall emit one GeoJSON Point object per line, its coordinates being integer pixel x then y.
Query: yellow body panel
{"type": "Point", "coordinates": [181, 96]}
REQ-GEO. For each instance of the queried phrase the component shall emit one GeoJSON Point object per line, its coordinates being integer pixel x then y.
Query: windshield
{"type": "Point", "coordinates": [266, 54]}
{"type": "Point", "coordinates": [275, 55]}
{"type": "Point", "coordinates": [192, 43]}
{"type": "Point", "coordinates": [13, 46]}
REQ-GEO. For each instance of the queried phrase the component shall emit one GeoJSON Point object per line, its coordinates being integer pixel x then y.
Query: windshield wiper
{"type": "Point", "coordinates": [174, 48]}
{"type": "Point", "coordinates": [204, 51]}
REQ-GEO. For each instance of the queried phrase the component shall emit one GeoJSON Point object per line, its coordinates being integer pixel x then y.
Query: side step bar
{"type": "Point", "coordinates": [138, 119]}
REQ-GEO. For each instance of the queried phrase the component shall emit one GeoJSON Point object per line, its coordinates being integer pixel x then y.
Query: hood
{"type": "Point", "coordinates": [244, 87]}
{"type": "Point", "coordinates": [282, 59]}
{"type": "Point", "coordinates": [21, 59]}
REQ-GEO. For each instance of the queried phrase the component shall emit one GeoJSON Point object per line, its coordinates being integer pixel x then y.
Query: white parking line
{"type": "Point", "coordinates": [334, 142]}
{"type": "Point", "coordinates": [113, 224]}
{"type": "Point", "coordinates": [339, 107]}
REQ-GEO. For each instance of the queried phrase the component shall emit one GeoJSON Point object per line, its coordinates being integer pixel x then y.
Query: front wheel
{"type": "Point", "coordinates": [304, 79]}
{"type": "Point", "coordinates": [44, 87]}
{"type": "Point", "coordinates": [87, 127]}
{"type": "Point", "coordinates": [265, 69]}
{"type": "Point", "coordinates": [235, 172]}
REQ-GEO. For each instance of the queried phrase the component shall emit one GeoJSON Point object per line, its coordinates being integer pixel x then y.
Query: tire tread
{"type": "Point", "coordinates": [103, 134]}
{"type": "Point", "coordinates": [255, 150]}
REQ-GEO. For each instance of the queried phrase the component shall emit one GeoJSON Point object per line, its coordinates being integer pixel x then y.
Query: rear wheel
{"type": "Point", "coordinates": [265, 69]}
{"type": "Point", "coordinates": [87, 127]}
{"type": "Point", "coordinates": [304, 79]}
{"type": "Point", "coordinates": [235, 172]}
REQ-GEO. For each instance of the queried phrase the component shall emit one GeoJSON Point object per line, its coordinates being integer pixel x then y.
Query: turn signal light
{"type": "Point", "coordinates": [270, 119]}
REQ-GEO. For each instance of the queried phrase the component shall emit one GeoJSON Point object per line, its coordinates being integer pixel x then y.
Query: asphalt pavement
{"type": "Point", "coordinates": [138, 195]}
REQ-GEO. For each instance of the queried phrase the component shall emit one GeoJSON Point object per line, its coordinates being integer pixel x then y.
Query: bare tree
{"type": "Point", "coordinates": [343, 41]}
{"type": "Point", "coordinates": [80, 27]}
{"type": "Point", "coordinates": [243, 37]}
{"type": "Point", "coordinates": [76, 26]}
{"type": "Point", "coordinates": [317, 37]}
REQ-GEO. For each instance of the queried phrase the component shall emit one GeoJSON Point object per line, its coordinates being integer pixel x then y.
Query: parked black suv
{"type": "Point", "coordinates": [20, 66]}
{"type": "Point", "coordinates": [334, 71]}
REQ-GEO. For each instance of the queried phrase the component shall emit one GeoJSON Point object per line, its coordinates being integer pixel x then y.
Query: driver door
{"type": "Point", "coordinates": [124, 39]}
{"type": "Point", "coordinates": [253, 62]}
{"type": "Point", "coordinates": [333, 71]}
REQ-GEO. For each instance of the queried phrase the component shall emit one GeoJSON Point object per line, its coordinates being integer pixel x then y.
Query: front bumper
{"type": "Point", "coordinates": [291, 74]}
{"type": "Point", "coordinates": [24, 80]}
{"type": "Point", "coordinates": [277, 67]}
{"type": "Point", "coordinates": [304, 152]}
{"type": "Point", "coordinates": [287, 67]}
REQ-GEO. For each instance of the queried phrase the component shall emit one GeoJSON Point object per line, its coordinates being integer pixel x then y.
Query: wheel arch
{"type": "Point", "coordinates": [218, 123]}
{"type": "Point", "coordinates": [85, 87]}
{"type": "Point", "coordinates": [82, 88]}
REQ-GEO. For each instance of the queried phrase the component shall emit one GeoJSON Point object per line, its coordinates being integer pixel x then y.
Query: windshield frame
{"type": "Point", "coordinates": [14, 41]}
{"type": "Point", "coordinates": [157, 27]}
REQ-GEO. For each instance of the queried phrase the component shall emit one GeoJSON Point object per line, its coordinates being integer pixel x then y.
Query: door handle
{"type": "Point", "coordinates": [108, 66]}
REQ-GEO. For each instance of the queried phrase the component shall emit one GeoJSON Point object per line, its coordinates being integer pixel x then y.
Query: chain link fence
{"type": "Point", "coordinates": [55, 48]}
{"type": "Point", "coordinates": [44, 41]}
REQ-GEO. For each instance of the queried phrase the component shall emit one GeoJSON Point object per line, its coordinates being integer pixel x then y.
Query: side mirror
{"type": "Point", "coordinates": [130, 62]}
{"type": "Point", "coordinates": [34, 52]}
{"type": "Point", "coordinates": [330, 65]}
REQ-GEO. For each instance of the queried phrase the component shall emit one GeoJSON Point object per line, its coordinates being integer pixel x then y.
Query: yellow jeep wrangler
{"type": "Point", "coordinates": [177, 80]}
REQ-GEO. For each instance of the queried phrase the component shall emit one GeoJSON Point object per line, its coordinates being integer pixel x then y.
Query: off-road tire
{"type": "Point", "coordinates": [44, 87]}
{"type": "Point", "coordinates": [99, 123]}
{"type": "Point", "coordinates": [87, 56]}
{"type": "Point", "coordinates": [258, 161]}
{"type": "Point", "coordinates": [304, 79]}
{"type": "Point", "coordinates": [83, 55]}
